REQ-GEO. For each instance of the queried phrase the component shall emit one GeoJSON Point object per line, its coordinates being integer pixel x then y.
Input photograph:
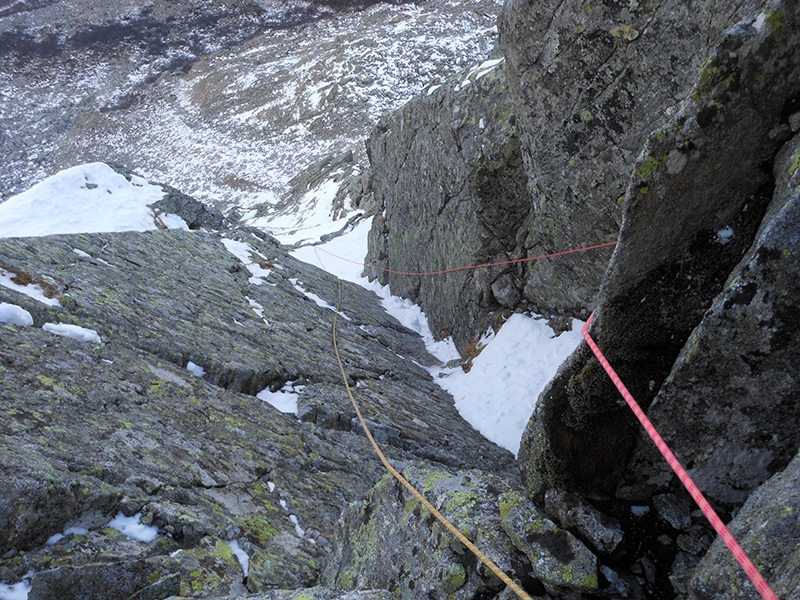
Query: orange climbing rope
{"type": "Point", "coordinates": [468, 267]}
{"type": "Point", "coordinates": [404, 482]}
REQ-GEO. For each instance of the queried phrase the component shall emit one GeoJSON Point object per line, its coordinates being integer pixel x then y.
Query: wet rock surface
{"type": "Point", "coordinates": [94, 429]}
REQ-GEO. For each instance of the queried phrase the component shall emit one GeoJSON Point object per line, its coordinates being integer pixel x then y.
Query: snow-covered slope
{"type": "Point", "coordinates": [85, 199]}
{"type": "Point", "coordinates": [233, 126]}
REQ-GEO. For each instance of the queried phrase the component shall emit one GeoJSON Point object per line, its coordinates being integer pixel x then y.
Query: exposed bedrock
{"type": "Point", "coordinates": [451, 191]}
{"type": "Point", "coordinates": [697, 313]}
{"type": "Point", "coordinates": [89, 430]}
{"type": "Point", "coordinates": [590, 82]}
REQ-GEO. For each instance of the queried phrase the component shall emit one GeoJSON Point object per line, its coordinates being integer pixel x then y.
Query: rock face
{"type": "Point", "coordinates": [671, 129]}
{"type": "Point", "coordinates": [697, 312]}
{"type": "Point", "coordinates": [590, 82]}
{"type": "Point", "coordinates": [90, 430]}
{"type": "Point", "coordinates": [734, 380]}
{"type": "Point", "coordinates": [768, 529]}
{"type": "Point", "coordinates": [585, 87]}
{"type": "Point", "coordinates": [703, 173]}
{"type": "Point", "coordinates": [406, 564]}
{"type": "Point", "coordinates": [451, 191]}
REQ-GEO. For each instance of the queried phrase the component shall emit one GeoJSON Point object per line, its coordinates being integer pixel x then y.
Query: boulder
{"type": "Point", "coordinates": [390, 541]}
{"type": "Point", "coordinates": [558, 559]}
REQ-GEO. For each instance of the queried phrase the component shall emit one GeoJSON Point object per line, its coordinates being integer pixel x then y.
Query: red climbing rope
{"type": "Point", "coordinates": [469, 267]}
{"type": "Point", "coordinates": [744, 561]}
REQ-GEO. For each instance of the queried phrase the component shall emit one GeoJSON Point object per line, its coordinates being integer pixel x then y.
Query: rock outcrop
{"type": "Point", "coordinates": [670, 128]}
{"type": "Point", "coordinates": [450, 191]}
{"type": "Point", "coordinates": [695, 202]}
{"type": "Point", "coordinates": [91, 430]}
{"type": "Point", "coordinates": [585, 87]}
{"type": "Point", "coordinates": [768, 529]}
{"type": "Point", "coordinates": [698, 308]}
{"type": "Point", "coordinates": [590, 82]}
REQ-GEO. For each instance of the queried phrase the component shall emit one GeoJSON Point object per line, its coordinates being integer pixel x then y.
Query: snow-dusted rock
{"type": "Point", "coordinates": [95, 429]}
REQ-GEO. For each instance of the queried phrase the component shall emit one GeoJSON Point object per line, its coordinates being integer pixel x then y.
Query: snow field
{"type": "Point", "coordinates": [84, 199]}
{"type": "Point", "coordinates": [498, 395]}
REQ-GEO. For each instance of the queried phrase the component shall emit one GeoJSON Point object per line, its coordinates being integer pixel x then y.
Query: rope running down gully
{"type": "Point", "coordinates": [490, 564]}
{"type": "Point", "coordinates": [738, 553]}
{"type": "Point", "coordinates": [396, 474]}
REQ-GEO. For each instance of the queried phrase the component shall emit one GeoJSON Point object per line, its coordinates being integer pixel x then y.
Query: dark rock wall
{"type": "Point", "coordinates": [730, 403]}
{"type": "Point", "coordinates": [697, 276]}
{"type": "Point", "coordinates": [701, 187]}
{"type": "Point", "coordinates": [768, 529]}
{"type": "Point", "coordinates": [451, 191]}
{"type": "Point", "coordinates": [590, 82]}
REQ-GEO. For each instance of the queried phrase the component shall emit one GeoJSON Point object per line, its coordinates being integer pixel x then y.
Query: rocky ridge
{"type": "Point", "coordinates": [94, 429]}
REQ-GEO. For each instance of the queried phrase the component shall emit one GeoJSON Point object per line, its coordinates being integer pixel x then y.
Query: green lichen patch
{"type": "Point", "coordinates": [453, 578]}
{"type": "Point", "coordinates": [557, 557]}
{"type": "Point", "coordinates": [649, 167]}
{"type": "Point", "coordinates": [777, 22]}
{"type": "Point", "coordinates": [795, 163]}
{"type": "Point", "coordinates": [209, 569]}
{"type": "Point", "coordinates": [257, 528]}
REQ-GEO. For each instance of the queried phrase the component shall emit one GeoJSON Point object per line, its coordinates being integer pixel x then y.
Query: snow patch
{"type": "Point", "coordinates": [497, 396]}
{"type": "Point", "coordinates": [16, 591]}
{"type": "Point", "coordinates": [299, 530]}
{"type": "Point", "coordinates": [241, 556]}
{"type": "Point", "coordinates": [88, 198]}
{"type": "Point", "coordinates": [311, 218]}
{"type": "Point", "coordinates": [244, 252]}
{"type": "Point", "coordinates": [258, 309]}
{"type": "Point", "coordinates": [133, 528]}
{"type": "Point", "coordinates": [285, 399]}
{"type": "Point", "coordinates": [195, 370]}
{"type": "Point", "coordinates": [499, 393]}
{"type": "Point", "coordinates": [316, 299]}
{"type": "Point", "coordinates": [76, 332]}
{"type": "Point", "coordinates": [33, 290]}
{"type": "Point", "coordinates": [15, 315]}
{"type": "Point", "coordinates": [724, 235]}
{"type": "Point", "coordinates": [54, 539]}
